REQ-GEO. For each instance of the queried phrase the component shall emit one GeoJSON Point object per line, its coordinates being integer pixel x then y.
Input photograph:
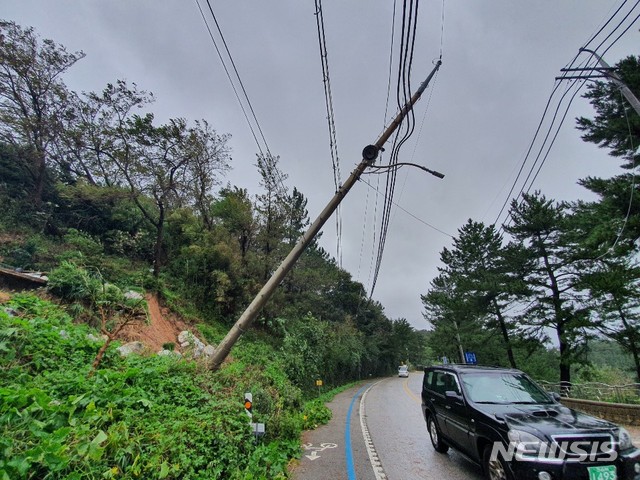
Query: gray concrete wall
{"type": "Point", "coordinates": [620, 413]}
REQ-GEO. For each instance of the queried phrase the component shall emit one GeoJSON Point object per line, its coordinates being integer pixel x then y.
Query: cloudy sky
{"type": "Point", "coordinates": [474, 124]}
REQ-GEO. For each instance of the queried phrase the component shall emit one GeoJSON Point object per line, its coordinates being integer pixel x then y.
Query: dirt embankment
{"type": "Point", "coordinates": [162, 327]}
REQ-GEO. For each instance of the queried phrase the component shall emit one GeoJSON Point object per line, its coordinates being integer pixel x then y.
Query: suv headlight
{"type": "Point", "coordinates": [624, 439]}
{"type": "Point", "coordinates": [526, 444]}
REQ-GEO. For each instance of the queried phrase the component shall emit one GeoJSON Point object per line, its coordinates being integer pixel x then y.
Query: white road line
{"type": "Point", "coordinates": [378, 471]}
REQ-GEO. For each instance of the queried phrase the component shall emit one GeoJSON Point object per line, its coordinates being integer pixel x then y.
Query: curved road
{"type": "Point", "coordinates": [377, 432]}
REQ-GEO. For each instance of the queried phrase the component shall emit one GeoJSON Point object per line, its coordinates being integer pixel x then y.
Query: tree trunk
{"type": "Point", "coordinates": [505, 335]}
{"type": "Point", "coordinates": [565, 362]}
{"type": "Point", "coordinates": [38, 178]}
{"type": "Point", "coordinates": [157, 256]}
{"type": "Point", "coordinates": [631, 341]}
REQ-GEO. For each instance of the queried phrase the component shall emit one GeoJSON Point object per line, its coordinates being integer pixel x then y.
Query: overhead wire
{"type": "Point", "coordinates": [233, 85]}
{"type": "Point", "coordinates": [558, 83]}
{"type": "Point", "coordinates": [244, 91]}
{"type": "Point", "coordinates": [333, 141]}
{"type": "Point", "coordinates": [415, 217]}
{"type": "Point", "coordinates": [386, 110]}
{"type": "Point", "coordinates": [572, 84]}
{"type": "Point", "coordinates": [633, 184]}
{"type": "Point", "coordinates": [553, 139]}
{"type": "Point", "coordinates": [403, 94]}
{"type": "Point", "coordinates": [255, 125]}
{"type": "Point", "coordinates": [428, 103]}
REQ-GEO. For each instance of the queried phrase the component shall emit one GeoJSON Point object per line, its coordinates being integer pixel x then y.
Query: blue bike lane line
{"type": "Point", "coordinates": [341, 449]}
{"type": "Point", "coordinates": [351, 472]}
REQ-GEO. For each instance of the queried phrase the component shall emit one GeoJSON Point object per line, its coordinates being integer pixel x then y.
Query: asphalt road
{"type": "Point", "coordinates": [377, 432]}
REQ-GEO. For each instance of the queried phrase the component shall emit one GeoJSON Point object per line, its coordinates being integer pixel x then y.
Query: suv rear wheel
{"type": "Point", "coordinates": [494, 468]}
{"type": "Point", "coordinates": [434, 435]}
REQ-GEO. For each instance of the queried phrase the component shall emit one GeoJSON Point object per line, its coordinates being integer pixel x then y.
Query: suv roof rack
{"type": "Point", "coordinates": [466, 366]}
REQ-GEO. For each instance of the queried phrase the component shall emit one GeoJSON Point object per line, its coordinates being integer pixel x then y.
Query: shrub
{"type": "Point", "coordinates": [73, 283]}
{"type": "Point", "coordinates": [139, 417]}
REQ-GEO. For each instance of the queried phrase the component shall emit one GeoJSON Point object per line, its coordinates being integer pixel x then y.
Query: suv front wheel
{"type": "Point", "coordinates": [434, 435]}
{"type": "Point", "coordinates": [494, 468]}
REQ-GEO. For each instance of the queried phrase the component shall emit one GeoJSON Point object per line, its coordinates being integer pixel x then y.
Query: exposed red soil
{"type": "Point", "coordinates": [163, 327]}
{"type": "Point", "coordinates": [4, 297]}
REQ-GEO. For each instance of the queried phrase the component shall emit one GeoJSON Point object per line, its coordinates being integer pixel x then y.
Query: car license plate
{"type": "Point", "coordinates": [604, 472]}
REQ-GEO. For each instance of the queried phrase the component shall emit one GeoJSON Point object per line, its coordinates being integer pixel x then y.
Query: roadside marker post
{"type": "Point", "coordinates": [248, 404]}
{"type": "Point", "coordinates": [258, 429]}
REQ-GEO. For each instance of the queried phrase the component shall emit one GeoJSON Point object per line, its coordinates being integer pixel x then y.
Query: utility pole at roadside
{"type": "Point", "coordinates": [605, 71]}
{"type": "Point", "coordinates": [369, 155]}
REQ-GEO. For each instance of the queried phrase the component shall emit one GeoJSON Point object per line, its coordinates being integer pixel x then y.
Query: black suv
{"type": "Point", "coordinates": [502, 420]}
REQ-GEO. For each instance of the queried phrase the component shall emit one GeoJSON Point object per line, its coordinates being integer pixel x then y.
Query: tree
{"type": "Point", "coordinates": [615, 289]}
{"type": "Point", "coordinates": [234, 212]}
{"type": "Point", "coordinates": [614, 126]}
{"type": "Point", "coordinates": [97, 135]}
{"type": "Point", "coordinates": [271, 207]}
{"type": "Point", "coordinates": [556, 302]}
{"type": "Point", "coordinates": [209, 159]}
{"type": "Point", "coordinates": [609, 228]}
{"type": "Point", "coordinates": [33, 97]}
{"type": "Point", "coordinates": [167, 161]}
{"type": "Point", "coordinates": [477, 265]}
{"type": "Point", "coordinates": [455, 319]}
{"type": "Point", "coordinates": [163, 167]}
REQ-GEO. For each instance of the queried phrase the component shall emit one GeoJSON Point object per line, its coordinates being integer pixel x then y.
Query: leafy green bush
{"type": "Point", "coordinates": [137, 417]}
{"type": "Point", "coordinates": [83, 242]}
{"type": "Point", "coordinates": [73, 283]}
{"type": "Point", "coordinates": [26, 255]}
{"type": "Point", "coordinates": [315, 413]}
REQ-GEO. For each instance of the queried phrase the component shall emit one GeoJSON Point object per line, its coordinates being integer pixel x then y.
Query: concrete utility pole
{"type": "Point", "coordinates": [607, 72]}
{"type": "Point", "coordinates": [369, 154]}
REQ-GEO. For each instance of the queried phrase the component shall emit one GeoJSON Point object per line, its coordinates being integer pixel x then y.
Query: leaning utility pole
{"type": "Point", "coordinates": [605, 71]}
{"type": "Point", "coordinates": [369, 154]}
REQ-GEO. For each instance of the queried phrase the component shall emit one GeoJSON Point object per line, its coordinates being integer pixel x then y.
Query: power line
{"type": "Point", "coordinates": [574, 84]}
{"type": "Point", "coordinates": [403, 93]}
{"type": "Point", "coordinates": [233, 86]}
{"type": "Point", "coordinates": [233, 83]}
{"type": "Point", "coordinates": [238, 76]}
{"type": "Point", "coordinates": [333, 141]}
{"type": "Point", "coordinates": [415, 217]}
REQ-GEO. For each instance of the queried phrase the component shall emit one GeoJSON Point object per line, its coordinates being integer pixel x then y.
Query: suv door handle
{"type": "Point", "coordinates": [448, 407]}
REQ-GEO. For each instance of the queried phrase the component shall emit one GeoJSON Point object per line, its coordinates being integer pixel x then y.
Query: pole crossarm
{"type": "Point", "coordinates": [369, 155]}
{"type": "Point", "coordinates": [607, 71]}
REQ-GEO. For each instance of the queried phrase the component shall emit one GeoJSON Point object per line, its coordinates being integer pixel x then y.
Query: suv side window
{"type": "Point", "coordinates": [426, 383]}
{"type": "Point", "coordinates": [444, 381]}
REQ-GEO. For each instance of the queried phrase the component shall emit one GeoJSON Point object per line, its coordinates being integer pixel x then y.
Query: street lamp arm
{"type": "Point", "coordinates": [404, 164]}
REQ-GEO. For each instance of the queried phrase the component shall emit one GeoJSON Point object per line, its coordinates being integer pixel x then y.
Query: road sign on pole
{"type": "Point", "coordinates": [470, 358]}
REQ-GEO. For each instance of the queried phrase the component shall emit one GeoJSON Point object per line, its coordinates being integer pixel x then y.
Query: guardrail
{"type": "Point", "coordinates": [617, 403]}
{"type": "Point", "coordinates": [629, 393]}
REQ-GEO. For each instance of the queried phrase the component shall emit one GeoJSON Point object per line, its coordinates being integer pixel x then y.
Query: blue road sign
{"type": "Point", "coordinates": [470, 358]}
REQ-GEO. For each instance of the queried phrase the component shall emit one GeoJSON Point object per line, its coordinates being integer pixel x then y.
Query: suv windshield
{"type": "Point", "coordinates": [502, 388]}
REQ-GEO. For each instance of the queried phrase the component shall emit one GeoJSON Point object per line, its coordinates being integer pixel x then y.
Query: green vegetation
{"type": "Point", "coordinates": [107, 201]}
{"type": "Point", "coordinates": [564, 274]}
{"type": "Point", "coordinates": [137, 417]}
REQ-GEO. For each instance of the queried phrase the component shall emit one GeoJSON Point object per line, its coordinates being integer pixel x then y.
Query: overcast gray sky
{"type": "Point", "coordinates": [477, 119]}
